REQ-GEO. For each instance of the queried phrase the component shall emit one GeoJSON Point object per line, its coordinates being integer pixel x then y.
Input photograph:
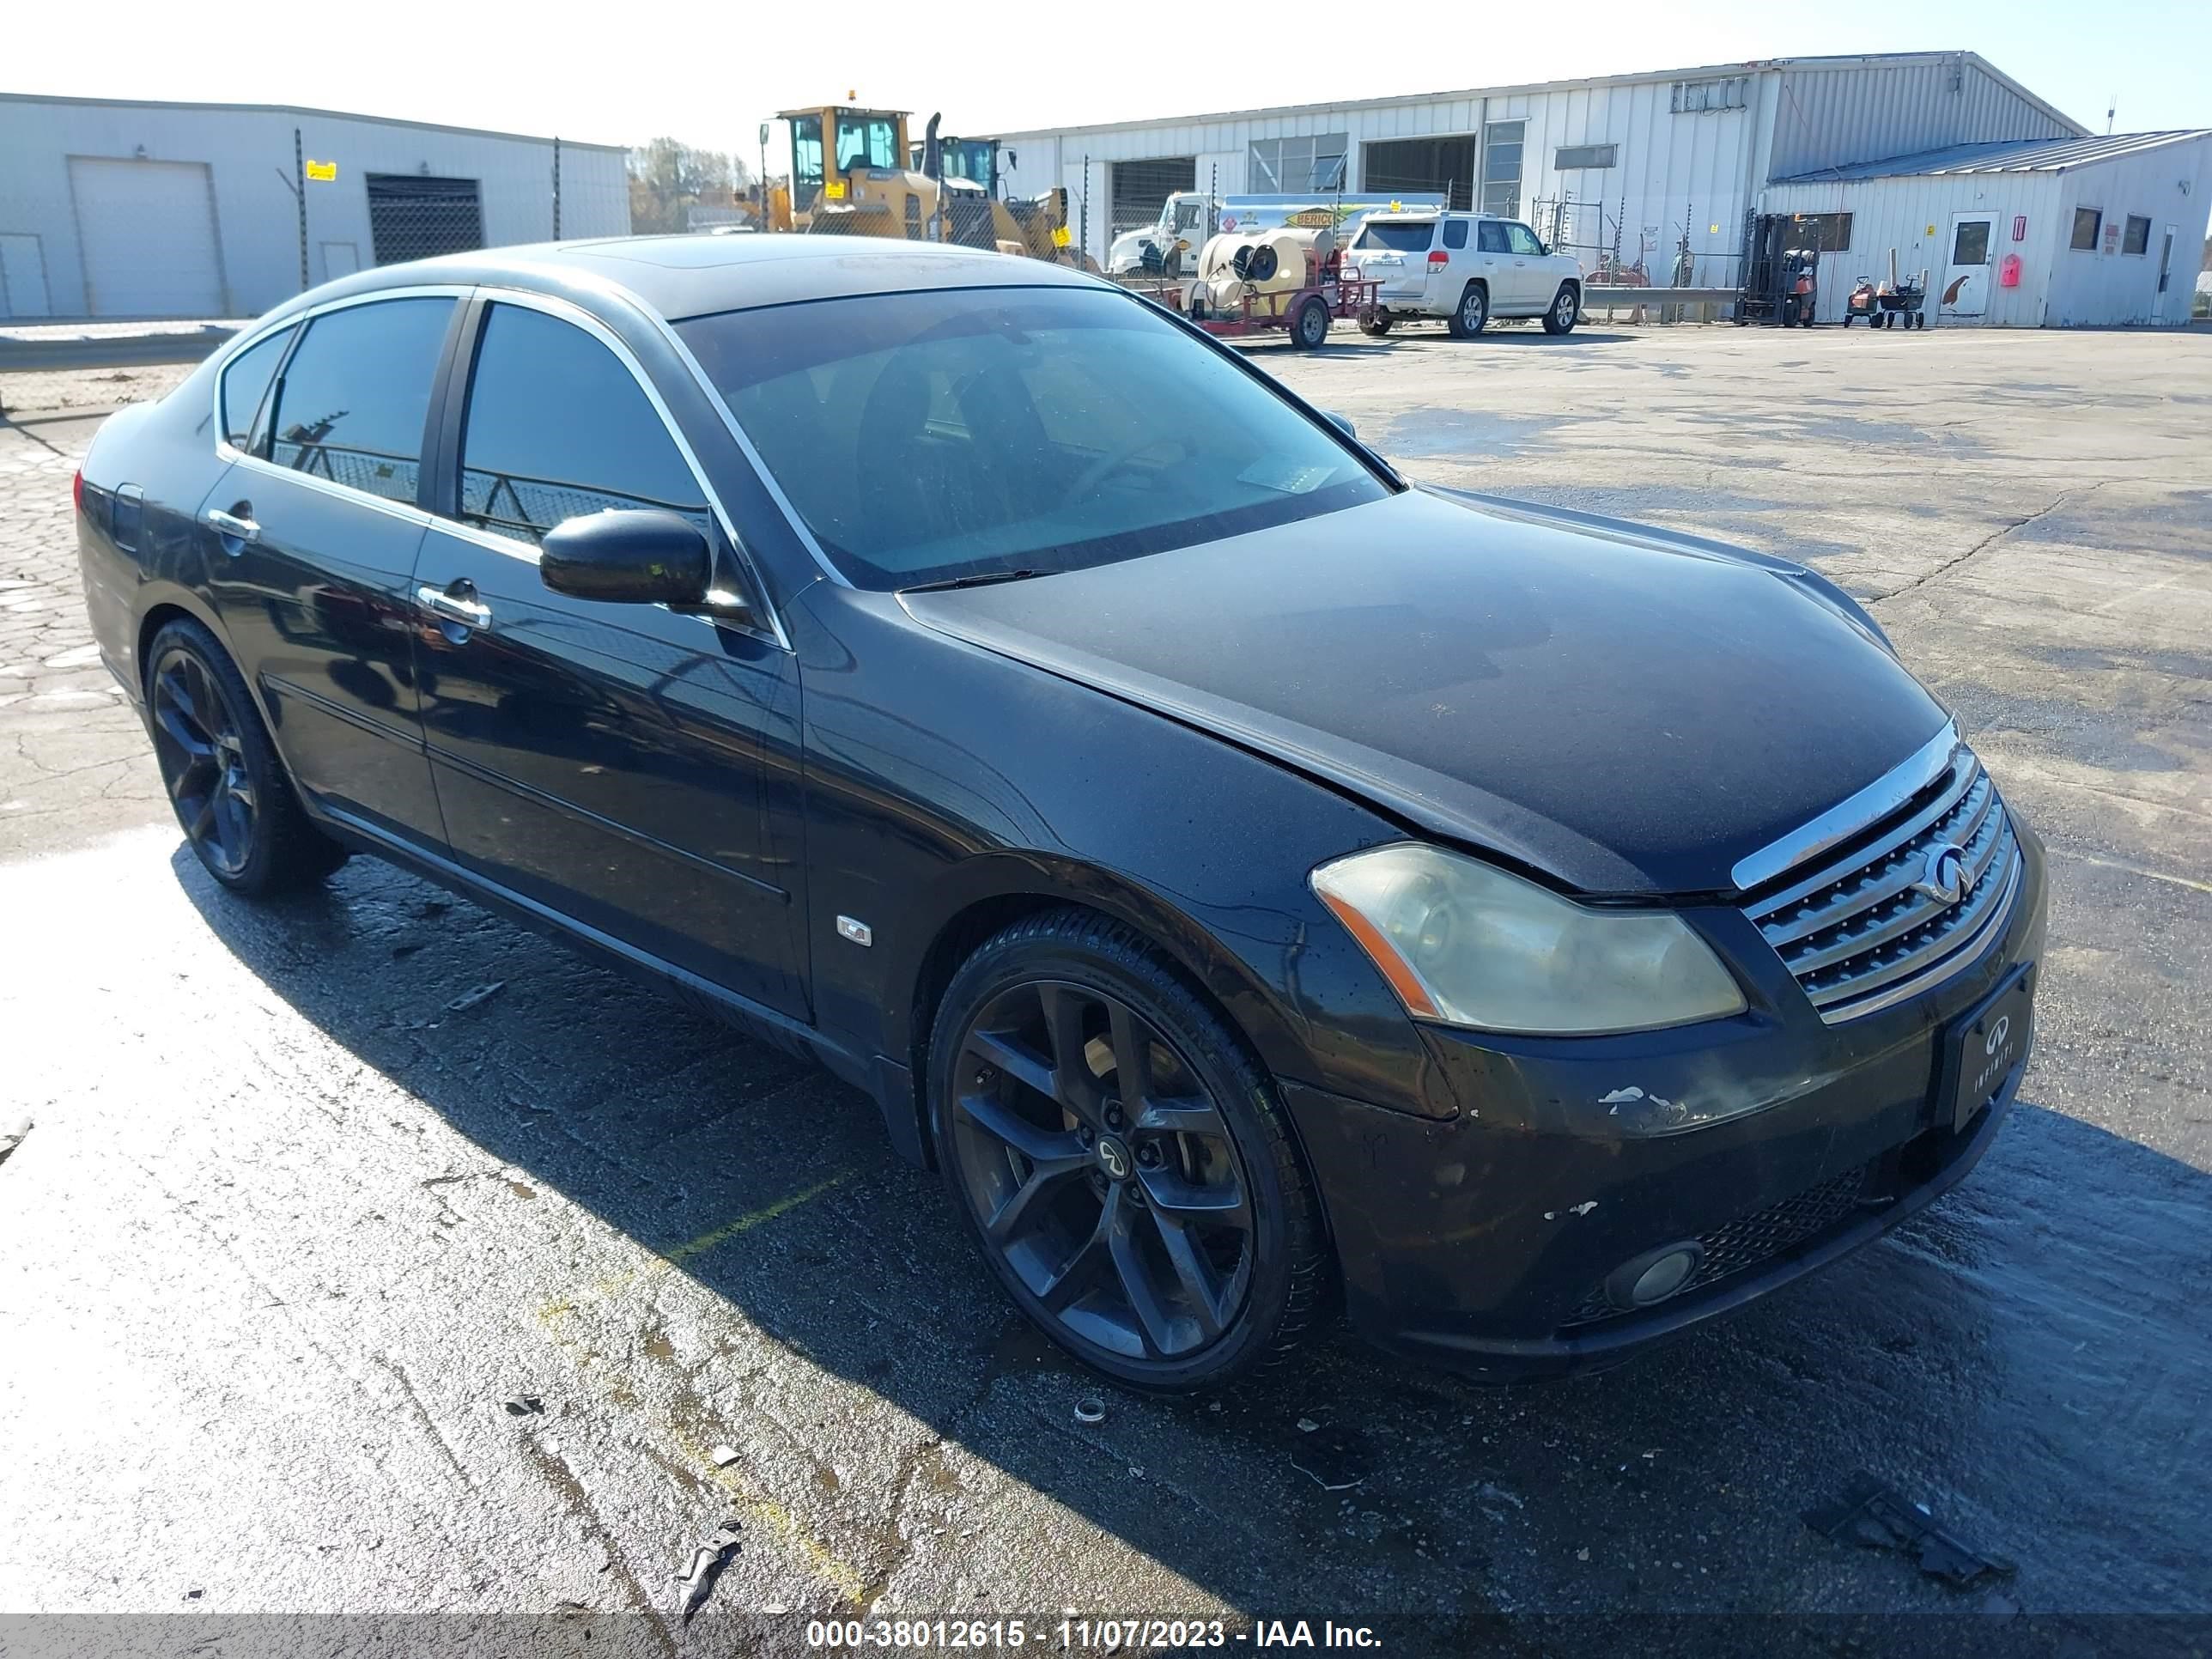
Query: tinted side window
{"type": "Point", "coordinates": [352, 403]}
{"type": "Point", "coordinates": [1523, 240]}
{"type": "Point", "coordinates": [1491, 237]}
{"type": "Point", "coordinates": [558, 427]}
{"type": "Point", "coordinates": [1455, 232]}
{"type": "Point", "coordinates": [244, 379]}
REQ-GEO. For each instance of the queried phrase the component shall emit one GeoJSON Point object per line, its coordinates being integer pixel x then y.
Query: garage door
{"type": "Point", "coordinates": [1141, 187]}
{"type": "Point", "coordinates": [148, 232]}
{"type": "Point", "coordinates": [1444, 165]}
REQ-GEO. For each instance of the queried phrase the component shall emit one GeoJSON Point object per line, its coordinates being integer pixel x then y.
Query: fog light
{"type": "Point", "coordinates": [1654, 1276]}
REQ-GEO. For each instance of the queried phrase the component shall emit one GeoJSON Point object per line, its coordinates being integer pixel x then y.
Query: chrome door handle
{"type": "Point", "coordinates": [231, 526]}
{"type": "Point", "coordinates": [448, 607]}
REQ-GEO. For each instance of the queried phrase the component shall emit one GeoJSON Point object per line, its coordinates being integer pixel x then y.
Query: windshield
{"type": "Point", "coordinates": [1399, 235]}
{"type": "Point", "coordinates": [930, 435]}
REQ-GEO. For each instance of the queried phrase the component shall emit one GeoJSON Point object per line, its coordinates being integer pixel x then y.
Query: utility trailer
{"type": "Point", "coordinates": [1303, 313]}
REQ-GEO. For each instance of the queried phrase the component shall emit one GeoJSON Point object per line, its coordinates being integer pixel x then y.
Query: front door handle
{"type": "Point", "coordinates": [452, 608]}
{"type": "Point", "coordinates": [231, 526]}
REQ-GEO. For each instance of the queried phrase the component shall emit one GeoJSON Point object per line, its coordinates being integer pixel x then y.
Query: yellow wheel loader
{"type": "Point", "coordinates": [853, 174]}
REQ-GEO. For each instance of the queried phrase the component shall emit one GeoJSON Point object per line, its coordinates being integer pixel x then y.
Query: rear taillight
{"type": "Point", "coordinates": [1438, 257]}
{"type": "Point", "coordinates": [76, 490]}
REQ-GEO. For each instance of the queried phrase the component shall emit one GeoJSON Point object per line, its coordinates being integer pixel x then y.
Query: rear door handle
{"type": "Point", "coordinates": [452, 608]}
{"type": "Point", "coordinates": [230, 526]}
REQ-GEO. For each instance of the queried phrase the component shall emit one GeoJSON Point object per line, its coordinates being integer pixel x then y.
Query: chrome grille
{"type": "Point", "coordinates": [1856, 930]}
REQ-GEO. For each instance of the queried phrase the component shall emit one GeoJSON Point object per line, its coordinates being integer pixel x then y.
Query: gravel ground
{"type": "Point", "coordinates": [324, 1296]}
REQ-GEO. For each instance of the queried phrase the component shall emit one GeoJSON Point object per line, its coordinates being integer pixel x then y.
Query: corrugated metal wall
{"type": "Point", "coordinates": [1913, 216]}
{"type": "Point", "coordinates": [2111, 286]}
{"type": "Point", "coordinates": [1828, 116]}
{"type": "Point", "coordinates": [249, 155]}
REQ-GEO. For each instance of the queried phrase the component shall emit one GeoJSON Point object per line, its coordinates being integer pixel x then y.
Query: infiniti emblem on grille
{"type": "Point", "coordinates": [1944, 877]}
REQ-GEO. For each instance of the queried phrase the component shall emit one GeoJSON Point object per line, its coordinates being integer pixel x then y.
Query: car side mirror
{"type": "Point", "coordinates": [628, 557]}
{"type": "Point", "coordinates": [1341, 423]}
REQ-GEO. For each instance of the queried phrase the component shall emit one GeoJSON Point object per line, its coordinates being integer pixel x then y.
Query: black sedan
{"type": "Point", "coordinates": [1255, 884]}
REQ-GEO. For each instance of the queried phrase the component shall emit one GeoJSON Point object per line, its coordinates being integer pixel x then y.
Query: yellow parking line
{"type": "Point", "coordinates": [772, 1517]}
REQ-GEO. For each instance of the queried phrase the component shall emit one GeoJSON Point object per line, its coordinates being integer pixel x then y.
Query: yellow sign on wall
{"type": "Point", "coordinates": [1060, 238]}
{"type": "Point", "coordinates": [323, 172]}
{"type": "Point", "coordinates": [835, 189]}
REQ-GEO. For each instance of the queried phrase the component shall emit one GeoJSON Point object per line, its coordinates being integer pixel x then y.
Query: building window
{"type": "Point", "coordinates": [1821, 233]}
{"type": "Point", "coordinates": [2137, 240]}
{"type": "Point", "coordinates": [2088, 221]}
{"type": "Point", "coordinates": [1705, 97]}
{"type": "Point", "coordinates": [1299, 164]}
{"type": "Point", "coordinates": [414, 216]}
{"type": "Point", "coordinates": [1501, 168]}
{"type": "Point", "coordinates": [1569, 157]}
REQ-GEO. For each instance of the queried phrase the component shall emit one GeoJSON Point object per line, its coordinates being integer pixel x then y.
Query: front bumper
{"type": "Point", "coordinates": [1483, 1242]}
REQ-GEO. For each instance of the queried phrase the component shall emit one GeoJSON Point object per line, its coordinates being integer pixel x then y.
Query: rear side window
{"type": "Point", "coordinates": [557, 428]}
{"type": "Point", "coordinates": [1492, 237]}
{"type": "Point", "coordinates": [245, 381]}
{"type": "Point", "coordinates": [1455, 232]}
{"type": "Point", "coordinates": [1397, 235]}
{"type": "Point", "coordinates": [1523, 240]}
{"type": "Point", "coordinates": [353, 399]}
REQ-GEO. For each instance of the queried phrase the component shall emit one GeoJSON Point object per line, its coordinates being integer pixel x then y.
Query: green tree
{"type": "Point", "coordinates": [669, 178]}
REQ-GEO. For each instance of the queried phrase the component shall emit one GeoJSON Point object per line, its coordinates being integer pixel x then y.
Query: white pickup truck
{"type": "Point", "coordinates": [1465, 268]}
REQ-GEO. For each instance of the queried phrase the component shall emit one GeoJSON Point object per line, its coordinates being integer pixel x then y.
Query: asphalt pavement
{"type": "Point", "coordinates": [364, 1256]}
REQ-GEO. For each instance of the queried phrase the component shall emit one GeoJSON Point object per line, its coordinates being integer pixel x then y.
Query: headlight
{"type": "Point", "coordinates": [1468, 944]}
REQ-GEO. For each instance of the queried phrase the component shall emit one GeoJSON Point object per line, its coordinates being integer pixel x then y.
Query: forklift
{"type": "Point", "coordinates": [1781, 284]}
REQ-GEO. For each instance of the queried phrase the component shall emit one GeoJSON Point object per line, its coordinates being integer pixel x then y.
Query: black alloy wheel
{"type": "Point", "coordinates": [231, 798]}
{"type": "Point", "coordinates": [1119, 1160]}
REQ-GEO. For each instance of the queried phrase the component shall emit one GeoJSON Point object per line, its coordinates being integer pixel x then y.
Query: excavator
{"type": "Point", "coordinates": [853, 173]}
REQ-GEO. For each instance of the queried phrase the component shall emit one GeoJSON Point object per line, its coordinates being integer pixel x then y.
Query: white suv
{"type": "Point", "coordinates": [1465, 268]}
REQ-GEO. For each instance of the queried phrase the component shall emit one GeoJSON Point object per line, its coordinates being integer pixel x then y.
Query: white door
{"type": "Point", "coordinates": [1966, 278]}
{"type": "Point", "coordinates": [147, 229]}
{"type": "Point", "coordinates": [23, 277]}
{"type": "Point", "coordinates": [2163, 304]}
{"type": "Point", "coordinates": [340, 259]}
{"type": "Point", "coordinates": [1530, 277]}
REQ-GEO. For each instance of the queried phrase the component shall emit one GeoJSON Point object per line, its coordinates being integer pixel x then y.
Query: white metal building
{"type": "Point", "coordinates": [2076, 232]}
{"type": "Point", "coordinates": [111, 209]}
{"type": "Point", "coordinates": [1646, 163]}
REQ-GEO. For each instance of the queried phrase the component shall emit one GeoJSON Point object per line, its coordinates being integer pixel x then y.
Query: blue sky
{"type": "Point", "coordinates": [707, 71]}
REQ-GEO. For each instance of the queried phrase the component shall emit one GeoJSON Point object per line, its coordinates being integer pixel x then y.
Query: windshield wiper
{"type": "Point", "coordinates": [984, 579]}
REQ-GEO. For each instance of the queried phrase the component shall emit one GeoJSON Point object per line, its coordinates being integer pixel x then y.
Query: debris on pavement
{"type": "Point", "coordinates": [1307, 1426]}
{"type": "Point", "coordinates": [724, 1457]}
{"type": "Point", "coordinates": [707, 1564]}
{"type": "Point", "coordinates": [1877, 1517]}
{"type": "Point", "coordinates": [12, 1137]}
{"type": "Point", "coordinates": [1090, 1410]}
{"type": "Point", "coordinates": [524, 1405]}
{"type": "Point", "coordinates": [1334, 1462]}
{"type": "Point", "coordinates": [469, 998]}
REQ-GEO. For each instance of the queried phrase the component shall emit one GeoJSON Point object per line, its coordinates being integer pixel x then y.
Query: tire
{"type": "Point", "coordinates": [1471, 315]}
{"type": "Point", "coordinates": [233, 799]}
{"type": "Point", "coordinates": [1212, 1266]}
{"type": "Point", "coordinates": [1376, 323]}
{"type": "Point", "coordinates": [1309, 328]}
{"type": "Point", "coordinates": [1566, 311]}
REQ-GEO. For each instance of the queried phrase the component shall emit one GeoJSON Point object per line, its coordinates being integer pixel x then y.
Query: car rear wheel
{"type": "Point", "coordinates": [1561, 318]}
{"type": "Point", "coordinates": [231, 798]}
{"type": "Point", "coordinates": [1375, 322]}
{"type": "Point", "coordinates": [1120, 1160]}
{"type": "Point", "coordinates": [1471, 315]}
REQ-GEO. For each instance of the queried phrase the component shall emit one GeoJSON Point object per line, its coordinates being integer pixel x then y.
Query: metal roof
{"type": "Point", "coordinates": [1702, 72]}
{"type": "Point", "coordinates": [296, 110]}
{"type": "Point", "coordinates": [2012, 156]}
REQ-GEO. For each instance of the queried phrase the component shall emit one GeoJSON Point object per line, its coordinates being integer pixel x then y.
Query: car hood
{"type": "Point", "coordinates": [1627, 711]}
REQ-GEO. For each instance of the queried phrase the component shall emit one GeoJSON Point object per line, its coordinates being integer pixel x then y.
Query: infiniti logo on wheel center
{"type": "Point", "coordinates": [1113, 1157]}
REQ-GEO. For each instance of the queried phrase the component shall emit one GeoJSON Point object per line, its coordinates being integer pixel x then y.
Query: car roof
{"type": "Point", "coordinates": [681, 276]}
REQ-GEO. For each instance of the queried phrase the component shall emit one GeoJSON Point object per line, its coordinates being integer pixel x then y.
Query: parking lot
{"type": "Point", "coordinates": [367, 1255]}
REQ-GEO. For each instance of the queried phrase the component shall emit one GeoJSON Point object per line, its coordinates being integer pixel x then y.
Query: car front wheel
{"type": "Point", "coordinates": [1120, 1159]}
{"type": "Point", "coordinates": [231, 797]}
{"type": "Point", "coordinates": [1561, 318]}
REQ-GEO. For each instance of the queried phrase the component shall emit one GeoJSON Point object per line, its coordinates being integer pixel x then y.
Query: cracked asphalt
{"type": "Point", "coordinates": [365, 1255]}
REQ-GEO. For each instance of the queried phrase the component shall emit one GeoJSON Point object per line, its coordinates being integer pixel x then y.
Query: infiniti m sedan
{"type": "Point", "coordinates": [1263, 889]}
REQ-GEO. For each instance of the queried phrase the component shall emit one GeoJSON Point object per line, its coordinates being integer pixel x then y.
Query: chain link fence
{"type": "Point", "coordinates": [1676, 251]}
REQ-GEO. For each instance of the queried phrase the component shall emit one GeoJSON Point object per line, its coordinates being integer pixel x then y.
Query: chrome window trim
{"type": "Point", "coordinates": [713, 393]}
{"type": "Point", "coordinates": [568, 311]}
{"type": "Point", "coordinates": [1848, 816]}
